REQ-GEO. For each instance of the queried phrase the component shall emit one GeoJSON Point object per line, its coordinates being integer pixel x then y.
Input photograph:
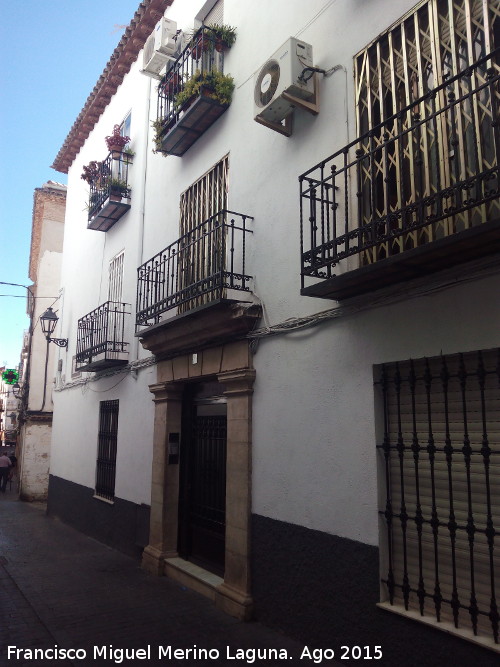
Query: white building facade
{"type": "Point", "coordinates": [281, 383]}
{"type": "Point", "coordinates": [38, 357]}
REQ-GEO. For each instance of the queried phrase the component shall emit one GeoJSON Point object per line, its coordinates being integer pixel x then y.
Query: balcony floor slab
{"type": "Point", "coordinates": [431, 258]}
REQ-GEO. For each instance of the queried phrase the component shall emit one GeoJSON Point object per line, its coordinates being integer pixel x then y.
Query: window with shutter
{"type": "Point", "coordinates": [438, 40]}
{"type": "Point", "coordinates": [440, 452]}
{"type": "Point", "coordinates": [115, 286]}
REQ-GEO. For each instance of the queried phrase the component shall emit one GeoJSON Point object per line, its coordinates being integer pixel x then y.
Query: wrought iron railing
{"type": "Point", "coordinates": [201, 57]}
{"type": "Point", "coordinates": [196, 269]}
{"type": "Point", "coordinates": [111, 179]}
{"type": "Point", "coordinates": [429, 171]}
{"type": "Point", "coordinates": [101, 335]}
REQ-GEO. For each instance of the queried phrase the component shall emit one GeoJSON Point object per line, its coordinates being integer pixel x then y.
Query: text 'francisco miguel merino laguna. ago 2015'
{"type": "Point", "coordinates": [167, 653]}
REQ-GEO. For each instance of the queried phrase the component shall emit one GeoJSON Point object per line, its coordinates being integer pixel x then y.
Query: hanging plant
{"type": "Point", "coordinates": [170, 84]}
{"type": "Point", "coordinates": [212, 84]}
{"type": "Point", "coordinates": [91, 172]}
{"type": "Point", "coordinates": [223, 36]}
{"type": "Point", "coordinates": [116, 142]}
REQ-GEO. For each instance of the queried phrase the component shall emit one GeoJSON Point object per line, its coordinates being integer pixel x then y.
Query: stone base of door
{"type": "Point", "coordinates": [193, 577]}
{"type": "Point", "coordinates": [210, 585]}
{"type": "Point", "coordinates": [153, 560]}
{"type": "Point", "coordinates": [233, 602]}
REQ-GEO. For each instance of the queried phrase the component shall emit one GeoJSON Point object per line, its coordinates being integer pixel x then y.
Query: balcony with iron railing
{"type": "Point", "coordinates": [101, 341]}
{"type": "Point", "coordinates": [109, 194]}
{"type": "Point", "coordinates": [418, 193]}
{"type": "Point", "coordinates": [204, 266]}
{"type": "Point", "coordinates": [193, 94]}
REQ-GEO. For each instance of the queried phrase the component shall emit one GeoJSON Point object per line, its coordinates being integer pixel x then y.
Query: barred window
{"type": "Point", "coordinates": [106, 450]}
{"type": "Point", "coordinates": [115, 286]}
{"type": "Point", "coordinates": [202, 211]}
{"type": "Point", "coordinates": [440, 455]}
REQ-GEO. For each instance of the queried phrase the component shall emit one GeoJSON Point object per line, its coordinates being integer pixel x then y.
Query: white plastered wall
{"type": "Point", "coordinates": [314, 419]}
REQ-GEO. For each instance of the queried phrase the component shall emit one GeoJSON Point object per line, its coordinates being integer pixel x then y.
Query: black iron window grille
{"type": "Point", "coordinates": [110, 181]}
{"type": "Point", "coordinates": [440, 457]}
{"type": "Point", "coordinates": [196, 269]}
{"type": "Point", "coordinates": [106, 451]}
{"type": "Point", "coordinates": [101, 337]}
{"type": "Point", "coordinates": [390, 190]}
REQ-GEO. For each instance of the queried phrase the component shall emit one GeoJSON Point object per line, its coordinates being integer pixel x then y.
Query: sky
{"type": "Point", "coordinates": [52, 55]}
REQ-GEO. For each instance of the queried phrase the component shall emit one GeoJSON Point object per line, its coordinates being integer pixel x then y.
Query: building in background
{"type": "Point", "coordinates": [9, 409]}
{"type": "Point", "coordinates": [38, 357]}
{"type": "Point", "coordinates": [281, 381]}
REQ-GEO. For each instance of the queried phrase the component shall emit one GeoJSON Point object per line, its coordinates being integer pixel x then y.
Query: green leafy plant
{"type": "Point", "coordinates": [223, 36]}
{"type": "Point", "coordinates": [212, 84]}
{"type": "Point", "coordinates": [118, 184]}
{"type": "Point", "coordinates": [159, 130]}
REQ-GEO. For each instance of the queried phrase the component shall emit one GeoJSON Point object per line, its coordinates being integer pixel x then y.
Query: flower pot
{"type": "Point", "coordinates": [116, 151]}
{"type": "Point", "coordinates": [220, 45]}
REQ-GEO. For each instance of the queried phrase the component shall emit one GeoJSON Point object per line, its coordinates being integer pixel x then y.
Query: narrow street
{"type": "Point", "coordinates": [60, 590]}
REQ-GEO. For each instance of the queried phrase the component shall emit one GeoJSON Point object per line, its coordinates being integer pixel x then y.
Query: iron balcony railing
{"type": "Point", "coordinates": [196, 269]}
{"type": "Point", "coordinates": [199, 57]}
{"type": "Point", "coordinates": [101, 337]}
{"type": "Point", "coordinates": [429, 171]}
{"type": "Point", "coordinates": [111, 180]}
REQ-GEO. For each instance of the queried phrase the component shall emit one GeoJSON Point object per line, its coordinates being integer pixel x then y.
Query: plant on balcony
{"type": "Point", "coordinates": [128, 155]}
{"type": "Point", "coordinates": [223, 36]}
{"type": "Point", "coordinates": [170, 84]}
{"type": "Point", "coordinates": [213, 84]}
{"type": "Point", "coordinates": [159, 130]}
{"type": "Point", "coordinates": [116, 142]}
{"type": "Point", "coordinates": [118, 186]}
{"type": "Point", "coordinates": [218, 36]}
{"type": "Point", "coordinates": [91, 172]}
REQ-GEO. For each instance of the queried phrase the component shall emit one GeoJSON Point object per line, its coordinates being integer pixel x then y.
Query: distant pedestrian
{"type": "Point", "coordinates": [13, 462]}
{"type": "Point", "coordinates": [5, 465]}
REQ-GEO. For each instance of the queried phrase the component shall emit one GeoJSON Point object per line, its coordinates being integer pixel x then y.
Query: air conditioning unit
{"type": "Point", "coordinates": [160, 47]}
{"type": "Point", "coordinates": [280, 74]}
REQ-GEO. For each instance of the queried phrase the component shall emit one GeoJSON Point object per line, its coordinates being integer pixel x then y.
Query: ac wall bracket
{"type": "Point", "coordinates": [311, 106]}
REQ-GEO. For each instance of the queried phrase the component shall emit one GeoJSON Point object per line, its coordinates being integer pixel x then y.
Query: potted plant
{"type": "Point", "coordinates": [170, 84]}
{"type": "Point", "coordinates": [223, 36]}
{"type": "Point", "coordinates": [91, 172]}
{"type": "Point", "coordinates": [213, 84]}
{"type": "Point", "coordinates": [118, 188]}
{"type": "Point", "coordinates": [128, 155]}
{"type": "Point", "coordinates": [116, 142]}
{"type": "Point", "coordinates": [199, 44]}
{"type": "Point", "coordinates": [160, 128]}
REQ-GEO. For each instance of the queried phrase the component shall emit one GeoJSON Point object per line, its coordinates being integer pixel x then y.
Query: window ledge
{"type": "Point", "coordinates": [103, 500]}
{"type": "Point", "coordinates": [444, 626]}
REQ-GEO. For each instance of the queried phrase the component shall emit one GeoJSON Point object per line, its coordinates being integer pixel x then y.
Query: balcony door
{"type": "Point", "coordinates": [202, 507]}
{"type": "Point", "coordinates": [435, 42]}
{"type": "Point", "coordinates": [199, 260]}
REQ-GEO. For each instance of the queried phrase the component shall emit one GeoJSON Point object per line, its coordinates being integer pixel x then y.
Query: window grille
{"type": "Point", "coordinates": [115, 289]}
{"type": "Point", "coordinates": [437, 41]}
{"type": "Point", "coordinates": [106, 452]}
{"type": "Point", "coordinates": [199, 203]}
{"type": "Point", "coordinates": [440, 553]}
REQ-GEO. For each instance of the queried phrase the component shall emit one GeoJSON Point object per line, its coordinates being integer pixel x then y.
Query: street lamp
{"type": "Point", "coordinates": [17, 390]}
{"type": "Point", "coordinates": [48, 322]}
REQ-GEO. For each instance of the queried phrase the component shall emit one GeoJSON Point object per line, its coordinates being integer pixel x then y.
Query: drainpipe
{"type": "Point", "coordinates": [140, 244]}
